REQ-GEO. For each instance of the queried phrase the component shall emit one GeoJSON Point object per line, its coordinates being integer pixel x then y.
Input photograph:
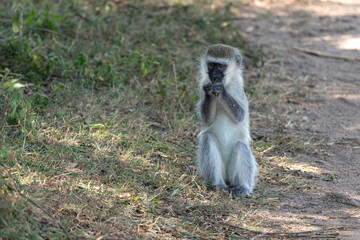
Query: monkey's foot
{"type": "Point", "coordinates": [239, 191]}
{"type": "Point", "coordinates": [223, 188]}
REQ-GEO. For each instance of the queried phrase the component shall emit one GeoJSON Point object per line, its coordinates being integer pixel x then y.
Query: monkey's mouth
{"type": "Point", "coordinates": [216, 80]}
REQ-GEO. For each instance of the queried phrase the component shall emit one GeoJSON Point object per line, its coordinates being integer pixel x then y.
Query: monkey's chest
{"type": "Point", "coordinates": [227, 133]}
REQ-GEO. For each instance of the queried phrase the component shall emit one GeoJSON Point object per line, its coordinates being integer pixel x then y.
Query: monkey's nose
{"type": "Point", "coordinates": [216, 78]}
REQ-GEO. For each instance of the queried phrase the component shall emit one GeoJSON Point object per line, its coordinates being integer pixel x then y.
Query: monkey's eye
{"type": "Point", "coordinates": [211, 65]}
{"type": "Point", "coordinates": [221, 66]}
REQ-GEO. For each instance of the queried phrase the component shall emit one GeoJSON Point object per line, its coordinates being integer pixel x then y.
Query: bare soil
{"type": "Point", "coordinates": [288, 32]}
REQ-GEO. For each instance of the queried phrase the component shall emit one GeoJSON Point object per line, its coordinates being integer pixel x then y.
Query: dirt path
{"type": "Point", "coordinates": [286, 30]}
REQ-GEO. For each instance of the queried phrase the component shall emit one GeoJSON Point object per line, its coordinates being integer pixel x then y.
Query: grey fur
{"type": "Point", "coordinates": [232, 107]}
{"type": "Point", "coordinates": [221, 51]}
{"type": "Point", "coordinates": [208, 108]}
{"type": "Point", "coordinates": [242, 156]}
{"type": "Point", "coordinates": [238, 59]}
{"type": "Point", "coordinates": [208, 154]}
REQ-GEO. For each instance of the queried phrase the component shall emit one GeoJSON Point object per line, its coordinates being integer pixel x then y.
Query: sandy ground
{"type": "Point", "coordinates": [289, 31]}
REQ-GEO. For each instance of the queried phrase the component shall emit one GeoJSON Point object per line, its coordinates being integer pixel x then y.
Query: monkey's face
{"type": "Point", "coordinates": [216, 71]}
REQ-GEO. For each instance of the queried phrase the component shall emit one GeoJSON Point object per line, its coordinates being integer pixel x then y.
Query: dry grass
{"type": "Point", "coordinates": [110, 151]}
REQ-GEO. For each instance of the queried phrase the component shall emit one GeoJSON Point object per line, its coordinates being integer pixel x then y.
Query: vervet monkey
{"type": "Point", "coordinates": [225, 158]}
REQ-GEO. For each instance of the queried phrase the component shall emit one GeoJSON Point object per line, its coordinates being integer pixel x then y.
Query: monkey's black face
{"type": "Point", "coordinates": [216, 71]}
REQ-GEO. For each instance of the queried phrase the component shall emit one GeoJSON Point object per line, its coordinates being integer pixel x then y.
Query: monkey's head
{"type": "Point", "coordinates": [220, 62]}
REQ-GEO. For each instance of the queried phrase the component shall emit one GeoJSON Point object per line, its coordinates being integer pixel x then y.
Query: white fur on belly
{"type": "Point", "coordinates": [227, 133]}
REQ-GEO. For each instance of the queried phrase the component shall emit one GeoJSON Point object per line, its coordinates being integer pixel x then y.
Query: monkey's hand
{"type": "Point", "coordinates": [208, 89]}
{"type": "Point", "coordinates": [218, 88]}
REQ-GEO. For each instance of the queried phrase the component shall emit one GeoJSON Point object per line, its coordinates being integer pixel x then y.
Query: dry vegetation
{"type": "Point", "coordinates": [98, 123]}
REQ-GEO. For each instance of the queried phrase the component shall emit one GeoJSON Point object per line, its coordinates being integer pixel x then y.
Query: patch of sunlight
{"type": "Point", "coordinates": [304, 167]}
{"type": "Point", "coordinates": [295, 222]}
{"type": "Point", "coordinates": [345, 42]}
{"type": "Point", "coordinates": [291, 222]}
{"type": "Point", "coordinates": [347, 96]}
{"type": "Point", "coordinates": [68, 138]}
{"type": "Point", "coordinates": [296, 166]}
{"type": "Point", "coordinates": [28, 177]}
{"type": "Point", "coordinates": [348, 42]}
{"type": "Point", "coordinates": [59, 181]}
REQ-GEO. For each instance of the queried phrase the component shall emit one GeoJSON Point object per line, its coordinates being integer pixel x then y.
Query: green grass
{"type": "Point", "coordinates": [98, 124]}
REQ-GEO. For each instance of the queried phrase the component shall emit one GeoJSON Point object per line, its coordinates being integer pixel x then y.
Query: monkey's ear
{"type": "Point", "coordinates": [238, 59]}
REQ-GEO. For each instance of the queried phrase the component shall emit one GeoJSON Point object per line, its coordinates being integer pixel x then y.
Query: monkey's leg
{"type": "Point", "coordinates": [242, 170]}
{"type": "Point", "coordinates": [210, 164]}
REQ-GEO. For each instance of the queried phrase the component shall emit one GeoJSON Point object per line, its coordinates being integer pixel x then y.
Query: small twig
{"type": "Point", "coordinates": [175, 143]}
{"type": "Point", "coordinates": [57, 76]}
{"type": "Point", "coordinates": [15, 187]}
{"type": "Point", "coordinates": [12, 74]}
{"type": "Point", "coordinates": [6, 73]}
{"type": "Point", "coordinates": [49, 31]}
{"type": "Point", "coordinates": [11, 126]}
{"type": "Point", "coordinates": [261, 131]}
{"type": "Point", "coordinates": [242, 228]}
{"type": "Point", "coordinates": [326, 55]}
{"type": "Point", "coordinates": [82, 16]}
{"type": "Point", "coordinates": [344, 198]}
{"type": "Point", "coordinates": [176, 86]}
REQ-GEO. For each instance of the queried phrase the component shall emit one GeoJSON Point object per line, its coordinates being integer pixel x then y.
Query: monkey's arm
{"type": "Point", "coordinates": [229, 103]}
{"type": "Point", "coordinates": [208, 105]}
